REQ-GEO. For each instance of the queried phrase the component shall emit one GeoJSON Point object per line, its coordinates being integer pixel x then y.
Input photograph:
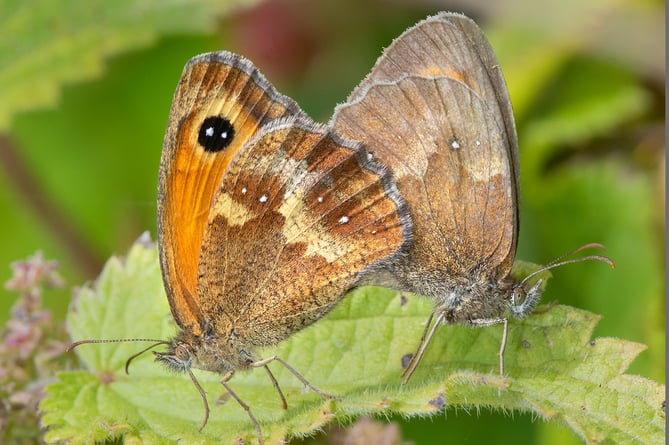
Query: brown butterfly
{"type": "Point", "coordinates": [436, 111]}
{"type": "Point", "coordinates": [265, 220]}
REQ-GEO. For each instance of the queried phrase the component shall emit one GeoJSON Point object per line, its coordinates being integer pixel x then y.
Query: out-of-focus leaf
{"type": "Point", "coordinates": [44, 44]}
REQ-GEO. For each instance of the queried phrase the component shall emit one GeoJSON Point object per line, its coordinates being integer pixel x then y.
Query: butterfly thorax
{"type": "Point", "coordinates": [208, 352]}
{"type": "Point", "coordinates": [472, 298]}
{"type": "Point", "coordinates": [480, 297]}
{"type": "Point", "coordinates": [462, 297]}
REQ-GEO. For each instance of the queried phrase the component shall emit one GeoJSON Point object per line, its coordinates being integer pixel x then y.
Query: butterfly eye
{"type": "Point", "coordinates": [182, 353]}
{"type": "Point", "coordinates": [216, 133]}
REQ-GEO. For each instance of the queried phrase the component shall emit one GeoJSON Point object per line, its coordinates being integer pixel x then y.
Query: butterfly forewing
{"type": "Point", "coordinates": [431, 110]}
{"type": "Point", "coordinates": [220, 86]}
{"type": "Point", "coordinates": [300, 214]}
{"type": "Point", "coordinates": [453, 46]}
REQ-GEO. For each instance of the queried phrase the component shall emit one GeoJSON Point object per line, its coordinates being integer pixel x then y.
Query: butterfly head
{"type": "Point", "coordinates": [524, 298]}
{"type": "Point", "coordinates": [208, 352]}
{"type": "Point", "coordinates": [179, 356]}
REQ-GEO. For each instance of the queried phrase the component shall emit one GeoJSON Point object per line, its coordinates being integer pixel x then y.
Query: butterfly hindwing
{"type": "Point", "coordinates": [300, 214]}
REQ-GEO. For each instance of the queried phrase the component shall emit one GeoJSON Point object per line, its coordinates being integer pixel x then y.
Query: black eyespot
{"type": "Point", "coordinates": [216, 133]}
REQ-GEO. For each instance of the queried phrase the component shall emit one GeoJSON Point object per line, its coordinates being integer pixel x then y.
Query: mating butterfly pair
{"type": "Point", "coordinates": [266, 219]}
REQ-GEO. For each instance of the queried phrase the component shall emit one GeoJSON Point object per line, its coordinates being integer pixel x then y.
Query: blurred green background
{"type": "Point", "coordinates": [86, 86]}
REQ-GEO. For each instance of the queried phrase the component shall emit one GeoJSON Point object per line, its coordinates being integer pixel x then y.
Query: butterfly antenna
{"type": "Point", "coordinates": [121, 340]}
{"type": "Point", "coordinates": [561, 260]}
{"type": "Point", "coordinates": [148, 348]}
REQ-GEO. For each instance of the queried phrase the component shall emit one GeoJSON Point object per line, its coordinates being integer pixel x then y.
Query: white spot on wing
{"type": "Point", "coordinates": [209, 131]}
{"type": "Point", "coordinates": [455, 145]}
{"type": "Point", "coordinates": [244, 191]}
{"type": "Point", "coordinates": [343, 220]}
{"type": "Point", "coordinates": [263, 198]}
{"type": "Point", "coordinates": [320, 199]}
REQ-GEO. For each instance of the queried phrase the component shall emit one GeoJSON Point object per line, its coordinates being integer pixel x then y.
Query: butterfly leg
{"type": "Point", "coordinates": [292, 370]}
{"type": "Point", "coordinates": [277, 387]}
{"type": "Point", "coordinates": [202, 394]}
{"type": "Point", "coordinates": [502, 346]}
{"type": "Point", "coordinates": [422, 346]}
{"type": "Point", "coordinates": [427, 328]}
{"type": "Point", "coordinates": [481, 322]}
{"type": "Point", "coordinates": [246, 408]}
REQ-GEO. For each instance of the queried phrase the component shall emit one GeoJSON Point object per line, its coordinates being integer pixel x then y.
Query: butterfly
{"type": "Point", "coordinates": [265, 220]}
{"type": "Point", "coordinates": [435, 109]}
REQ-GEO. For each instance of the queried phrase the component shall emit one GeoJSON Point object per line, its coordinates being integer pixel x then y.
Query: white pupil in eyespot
{"type": "Point", "coordinates": [209, 132]}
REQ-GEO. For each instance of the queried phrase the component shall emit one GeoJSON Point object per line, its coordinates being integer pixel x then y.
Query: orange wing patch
{"type": "Point", "coordinates": [212, 85]}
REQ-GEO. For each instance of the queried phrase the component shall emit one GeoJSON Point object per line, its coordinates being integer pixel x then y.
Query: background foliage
{"type": "Point", "coordinates": [85, 88]}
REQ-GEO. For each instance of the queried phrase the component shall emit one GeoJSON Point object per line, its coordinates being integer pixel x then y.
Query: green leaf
{"type": "Point", "coordinates": [44, 44]}
{"type": "Point", "coordinates": [553, 369]}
